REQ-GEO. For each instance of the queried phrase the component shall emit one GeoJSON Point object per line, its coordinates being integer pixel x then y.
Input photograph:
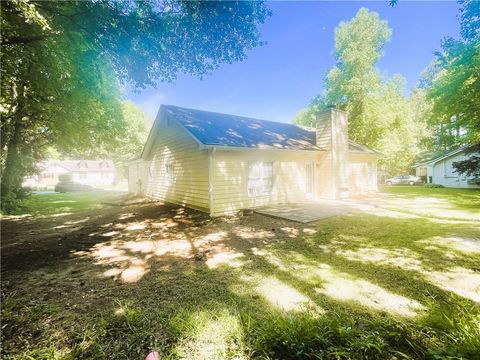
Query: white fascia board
{"type": "Point", "coordinates": [241, 148]}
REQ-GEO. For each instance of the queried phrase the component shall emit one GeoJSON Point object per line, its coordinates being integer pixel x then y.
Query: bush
{"type": "Point", "coordinates": [64, 177]}
{"type": "Point", "coordinates": [475, 181]}
{"type": "Point", "coordinates": [11, 202]}
{"type": "Point", "coordinates": [434, 186]}
{"type": "Point", "coordinates": [71, 186]}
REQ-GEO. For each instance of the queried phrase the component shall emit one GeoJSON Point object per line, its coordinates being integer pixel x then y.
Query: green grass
{"type": "Point", "coordinates": [378, 285]}
{"type": "Point", "coordinates": [56, 203]}
{"type": "Point", "coordinates": [458, 198]}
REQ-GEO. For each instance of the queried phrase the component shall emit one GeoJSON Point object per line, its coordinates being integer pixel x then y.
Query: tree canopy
{"type": "Point", "coordinates": [379, 115]}
{"type": "Point", "coordinates": [453, 83]}
{"type": "Point", "coordinates": [63, 63]}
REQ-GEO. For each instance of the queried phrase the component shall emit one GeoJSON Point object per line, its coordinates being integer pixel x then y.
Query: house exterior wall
{"type": "Point", "coordinates": [230, 178]}
{"type": "Point", "coordinates": [362, 173]}
{"type": "Point", "coordinates": [443, 174]}
{"type": "Point", "coordinates": [178, 169]}
{"type": "Point", "coordinates": [425, 172]}
{"type": "Point", "coordinates": [137, 176]}
{"type": "Point", "coordinates": [49, 177]}
{"type": "Point", "coordinates": [94, 178]}
{"type": "Point", "coordinates": [332, 135]}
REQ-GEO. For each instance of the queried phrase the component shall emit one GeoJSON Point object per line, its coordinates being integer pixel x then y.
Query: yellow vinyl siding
{"type": "Point", "coordinates": [189, 169]}
{"type": "Point", "coordinates": [230, 178]}
{"type": "Point", "coordinates": [137, 176]}
{"type": "Point", "coordinates": [361, 178]}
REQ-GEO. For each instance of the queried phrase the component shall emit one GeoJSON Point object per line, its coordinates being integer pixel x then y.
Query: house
{"type": "Point", "coordinates": [88, 172]}
{"type": "Point", "coordinates": [437, 168]}
{"type": "Point", "coordinates": [222, 163]}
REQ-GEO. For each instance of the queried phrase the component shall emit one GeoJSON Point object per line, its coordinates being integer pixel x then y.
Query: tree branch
{"type": "Point", "coordinates": [16, 40]}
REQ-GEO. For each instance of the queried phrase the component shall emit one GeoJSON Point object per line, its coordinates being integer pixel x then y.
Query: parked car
{"type": "Point", "coordinates": [404, 179]}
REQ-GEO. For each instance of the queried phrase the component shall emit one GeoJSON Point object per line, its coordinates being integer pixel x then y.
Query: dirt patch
{"type": "Point", "coordinates": [71, 268]}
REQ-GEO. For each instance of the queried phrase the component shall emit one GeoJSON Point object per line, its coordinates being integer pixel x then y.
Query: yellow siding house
{"type": "Point", "coordinates": [221, 163]}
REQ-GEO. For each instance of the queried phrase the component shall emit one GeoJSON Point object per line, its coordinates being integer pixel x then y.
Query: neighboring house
{"type": "Point", "coordinates": [88, 172]}
{"type": "Point", "coordinates": [222, 163]}
{"type": "Point", "coordinates": [438, 169]}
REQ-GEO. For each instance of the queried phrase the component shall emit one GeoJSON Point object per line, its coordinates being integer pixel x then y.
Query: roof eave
{"type": "Point", "coordinates": [239, 148]}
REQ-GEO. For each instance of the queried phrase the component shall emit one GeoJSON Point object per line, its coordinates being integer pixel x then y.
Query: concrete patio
{"type": "Point", "coordinates": [312, 211]}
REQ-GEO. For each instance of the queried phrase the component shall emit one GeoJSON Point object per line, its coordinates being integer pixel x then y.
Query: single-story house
{"type": "Point", "coordinates": [222, 163]}
{"type": "Point", "coordinates": [438, 169]}
{"type": "Point", "coordinates": [88, 172]}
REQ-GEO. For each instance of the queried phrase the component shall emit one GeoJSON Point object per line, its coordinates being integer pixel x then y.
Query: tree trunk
{"type": "Point", "coordinates": [12, 162]}
{"type": "Point", "coordinates": [12, 175]}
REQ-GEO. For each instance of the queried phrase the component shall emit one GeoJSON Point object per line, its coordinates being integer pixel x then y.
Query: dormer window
{"type": "Point", "coordinates": [82, 164]}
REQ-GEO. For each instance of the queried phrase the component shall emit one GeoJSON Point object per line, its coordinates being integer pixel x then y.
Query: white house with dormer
{"type": "Point", "coordinates": [439, 170]}
{"type": "Point", "coordinates": [87, 172]}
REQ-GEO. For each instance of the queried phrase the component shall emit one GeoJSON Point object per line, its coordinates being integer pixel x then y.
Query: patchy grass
{"type": "Point", "coordinates": [457, 198]}
{"type": "Point", "coordinates": [447, 203]}
{"type": "Point", "coordinates": [381, 284]}
{"type": "Point", "coordinates": [57, 203]}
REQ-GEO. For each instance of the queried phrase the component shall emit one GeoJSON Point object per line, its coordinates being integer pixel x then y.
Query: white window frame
{"type": "Point", "coordinates": [168, 173]}
{"type": "Point", "coordinates": [312, 164]}
{"type": "Point", "coordinates": [258, 172]}
{"type": "Point", "coordinates": [150, 171]}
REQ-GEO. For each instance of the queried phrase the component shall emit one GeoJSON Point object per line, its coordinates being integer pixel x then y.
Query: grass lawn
{"type": "Point", "coordinates": [444, 203]}
{"type": "Point", "coordinates": [394, 282]}
{"type": "Point", "coordinates": [58, 203]}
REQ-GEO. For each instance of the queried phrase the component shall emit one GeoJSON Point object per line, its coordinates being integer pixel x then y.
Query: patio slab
{"type": "Point", "coordinates": [311, 211]}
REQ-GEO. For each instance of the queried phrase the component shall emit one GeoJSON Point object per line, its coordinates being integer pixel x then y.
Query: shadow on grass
{"type": "Point", "coordinates": [461, 199]}
{"type": "Point", "coordinates": [169, 279]}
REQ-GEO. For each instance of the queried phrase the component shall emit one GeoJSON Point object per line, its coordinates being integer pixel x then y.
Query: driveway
{"type": "Point", "coordinates": [306, 212]}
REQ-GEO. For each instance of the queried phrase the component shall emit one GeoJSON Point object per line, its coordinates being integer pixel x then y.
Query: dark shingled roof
{"type": "Point", "coordinates": [212, 128]}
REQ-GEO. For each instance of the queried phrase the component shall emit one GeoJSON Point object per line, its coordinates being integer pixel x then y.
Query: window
{"type": "Point", "coordinates": [260, 178]}
{"type": "Point", "coordinates": [150, 172]}
{"type": "Point", "coordinates": [168, 173]}
{"type": "Point", "coordinates": [449, 170]}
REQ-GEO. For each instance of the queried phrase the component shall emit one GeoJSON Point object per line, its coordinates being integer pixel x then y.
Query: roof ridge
{"type": "Point", "coordinates": [240, 116]}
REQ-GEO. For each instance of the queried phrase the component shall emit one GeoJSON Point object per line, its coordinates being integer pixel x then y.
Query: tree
{"type": "Point", "coordinates": [354, 80]}
{"type": "Point", "coordinates": [453, 87]}
{"type": "Point", "coordinates": [138, 125]}
{"type": "Point", "coordinates": [307, 117]}
{"type": "Point", "coordinates": [470, 166]}
{"type": "Point", "coordinates": [453, 83]}
{"type": "Point", "coordinates": [62, 63]}
{"type": "Point", "coordinates": [379, 114]}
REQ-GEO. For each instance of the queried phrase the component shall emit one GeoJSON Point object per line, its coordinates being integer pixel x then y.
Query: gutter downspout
{"type": "Point", "coordinates": [211, 151]}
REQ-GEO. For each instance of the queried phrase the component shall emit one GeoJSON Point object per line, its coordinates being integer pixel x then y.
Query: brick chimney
{"type": "Point", "coordinates": [332, 136]}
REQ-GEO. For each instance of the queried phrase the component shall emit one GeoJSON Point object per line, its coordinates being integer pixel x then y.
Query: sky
{"type": "Point", "coordinates": [279, 79]}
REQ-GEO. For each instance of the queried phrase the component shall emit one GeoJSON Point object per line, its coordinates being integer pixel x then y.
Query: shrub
{"type": "Point", "coordinates": [434, 186]}
{"type": "Point", "coordinates": [64, 177]}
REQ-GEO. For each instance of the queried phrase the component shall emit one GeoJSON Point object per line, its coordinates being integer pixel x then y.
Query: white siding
{"type": "Point", "coordinates": [188, 183]}
{"type": "Point", "coordinates": [444, 175]}
{"type": "Point", "coordinates": [362, 173]}
{"type": "Point", "coordinates": [332, 136]}
{"type": "Point", "coordinates": [230, 178]}
{"type": "Point", "coordinates": [94, 178]}
{"type": "Point", "coordinates": [137, 178]}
